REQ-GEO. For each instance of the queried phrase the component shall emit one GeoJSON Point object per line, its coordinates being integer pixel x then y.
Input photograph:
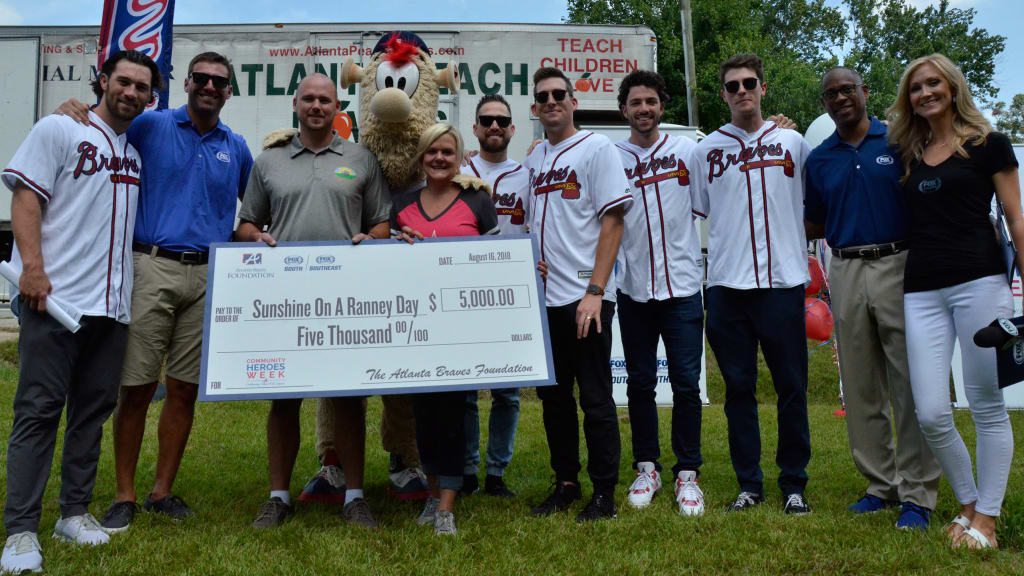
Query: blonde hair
{"type": "Point", "coordinates": [911, 133]}
{"type": "Point", "coordinates": [431, 135]}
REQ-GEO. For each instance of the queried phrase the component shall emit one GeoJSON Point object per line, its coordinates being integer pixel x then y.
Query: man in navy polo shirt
{"type": "Point", "coordinates": [855, 201]}
{"type": "Point", "coordinates": [194, 171]}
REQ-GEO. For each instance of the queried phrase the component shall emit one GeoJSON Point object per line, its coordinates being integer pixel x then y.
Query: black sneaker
{"type": "Point", "coordinates": [119, 516]}
{"type": "Point", "coordinates": [745, 501]}
{"type": "Point", "coordinates": [559, 500]}
{"type": "Point", "coordinates": [171, 506]}
{"type": "Point", "coordinates": [796, 504]}
{"type": "Point", "coordinates": [601, 506]}
{"type": "Point", "coordinates": [495, 486]}
{"type": "Point", "coordinates": [470, 484]}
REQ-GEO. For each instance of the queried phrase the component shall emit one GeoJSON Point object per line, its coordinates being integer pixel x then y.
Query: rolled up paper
{"type": "Point", "coordinates": [53, 305]}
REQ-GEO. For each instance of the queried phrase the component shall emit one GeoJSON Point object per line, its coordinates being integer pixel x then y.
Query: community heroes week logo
{"type": "Point", "coordinates": [265, 371]}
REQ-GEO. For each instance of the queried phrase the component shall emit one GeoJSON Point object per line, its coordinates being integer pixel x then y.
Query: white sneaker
{"type": "Point", "coordinates": [444, 523]}
{"type": "Point", "coordinates": [646, 485]}
{"type": "Point", "coordinates": [22, 553]}
{"type": "Point", "coordinates": [82, 529]}
{"type": "Point", "coordinates": [429, 512]}
{"type": "Point", "coordinates": [688, 494]}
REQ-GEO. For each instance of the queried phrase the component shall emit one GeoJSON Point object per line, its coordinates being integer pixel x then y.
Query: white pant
{"type": "Point", "coordinates": [934, 318]}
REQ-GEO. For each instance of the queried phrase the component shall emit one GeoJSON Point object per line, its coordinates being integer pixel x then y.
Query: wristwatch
{"type": "Point", "coordinates": [595, 290]}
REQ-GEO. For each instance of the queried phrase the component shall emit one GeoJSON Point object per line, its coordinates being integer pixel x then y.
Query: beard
{"type": "Point", "coordinates": [491, 147]}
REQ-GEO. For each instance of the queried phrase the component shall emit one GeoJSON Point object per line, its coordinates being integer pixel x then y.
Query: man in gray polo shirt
{"type": "Point", "coordinates": [317, 187]}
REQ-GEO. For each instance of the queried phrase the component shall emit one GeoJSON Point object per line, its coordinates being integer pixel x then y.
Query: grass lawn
{"type": "Point", "coordinates": [224, 478]}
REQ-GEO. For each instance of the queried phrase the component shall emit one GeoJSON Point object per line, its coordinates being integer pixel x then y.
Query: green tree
{"type": "Point", "coordinates": [795, 38]}
{"type": "Point", "coordinates": [886, 35]}
{"type": "Point", "coordinates": [1010, 118]}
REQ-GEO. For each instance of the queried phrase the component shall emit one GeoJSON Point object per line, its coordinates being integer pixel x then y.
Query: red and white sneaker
{"type": "Point", "coordinates": [688, 494]}
{"type": "Point", "coordinates": [646, 485]}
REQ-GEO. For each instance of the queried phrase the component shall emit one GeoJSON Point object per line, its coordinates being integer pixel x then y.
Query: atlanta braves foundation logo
{"type": "Point", "coordinates": [719, 161]}
{"type": "Point", "coordinates": [90, 161]}
{"type": "Point", "coordinates": [653, 165]}
{"type": "Point", "coordinates": [562, 180]}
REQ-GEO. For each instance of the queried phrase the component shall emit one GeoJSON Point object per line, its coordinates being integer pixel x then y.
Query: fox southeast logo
{"type": "Point", "coordinates": [252, 259]}
{"type": "Point", "coordinates": [265, 370]}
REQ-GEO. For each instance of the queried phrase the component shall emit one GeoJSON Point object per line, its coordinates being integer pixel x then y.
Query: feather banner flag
{"type": "Point", "coordinates": [143, 25]}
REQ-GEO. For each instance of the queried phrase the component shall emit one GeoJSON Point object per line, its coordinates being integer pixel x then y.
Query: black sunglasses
{"type": "Point", "coordinates": [846, 90]}
{"type": "Point", "coordinates": [733, 86]}
{"type": "Point", "coordinates": [503, 121]}
{"type": "Point", "coordinates": [542, 96]}
{"type": "Point", "coordinates": [200, 79]}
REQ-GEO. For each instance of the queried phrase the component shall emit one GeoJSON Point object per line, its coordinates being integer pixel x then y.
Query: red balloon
{"type": "Point", "coordinates": [817, 277]}
{"type": "Point", "coordinates": [818, 319]}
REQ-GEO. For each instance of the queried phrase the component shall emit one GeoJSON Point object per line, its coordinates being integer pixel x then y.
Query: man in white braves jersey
{"type": "Point", "coordinates": [510, 191]}
{"type": "Point", "coordinates": [579, 196]}
{"type": "Point", "coordinates": [73, 213]}
{"type": "Point", "coordinates": [659, 276]}
{"type": "Point", "coordinates": [749, 183]}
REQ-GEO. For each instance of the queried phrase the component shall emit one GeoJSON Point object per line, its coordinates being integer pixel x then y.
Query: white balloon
{"type": "Point", "coordinates": [821, 128]}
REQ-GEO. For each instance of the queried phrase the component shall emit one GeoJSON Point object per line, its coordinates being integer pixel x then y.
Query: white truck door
{"type": "Point", "coordinates": [19, 93]}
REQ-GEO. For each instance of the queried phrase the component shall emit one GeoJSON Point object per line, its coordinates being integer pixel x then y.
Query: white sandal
{"type": "Point", "coordinates": [960, 521]}
{"type": "Point", "coordinates": [977, 536]}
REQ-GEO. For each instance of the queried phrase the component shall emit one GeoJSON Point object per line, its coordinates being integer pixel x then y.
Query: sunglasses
{"type": "Point", "coordinates": [200, 79]}
{"type": "Point", "coordinates": [542, 96]}
{"type": "Point", "coordinates": [846, 90]}
{"type": "Point", "coordinates": [733, 86]}
{"type": "Point", "coordinates": [503, 121]}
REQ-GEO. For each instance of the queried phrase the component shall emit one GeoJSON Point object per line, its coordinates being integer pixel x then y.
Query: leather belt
{"type": "Point", "coordinates": [873, 252]}
{"type": "Point", "coordinates": [182, 257]}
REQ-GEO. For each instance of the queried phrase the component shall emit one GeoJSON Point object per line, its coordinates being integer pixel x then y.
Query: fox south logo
{"type": "Point", "coordinates": [252, 259]}
{"type": "Point", "coordinates": [264, 369]}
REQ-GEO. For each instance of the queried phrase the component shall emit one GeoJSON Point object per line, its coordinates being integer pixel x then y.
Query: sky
{"type": "Point", "coordinates": [1002, 17]}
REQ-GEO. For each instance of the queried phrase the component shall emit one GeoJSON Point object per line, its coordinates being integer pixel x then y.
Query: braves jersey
{"type": "Point", "coordinates": [509, 189]}
{"type": "Point", "coordinates": [572, 184]}
{"type": "Point", "coordinates": [660, 254]}
{"type": "Point", "coordinates": [88, 179]}
{"type": "Point", "coordinates": [750, 187]}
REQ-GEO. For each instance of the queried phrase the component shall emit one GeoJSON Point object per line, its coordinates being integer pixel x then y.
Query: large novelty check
{"type": "Point", "coordinates": [331, 319]}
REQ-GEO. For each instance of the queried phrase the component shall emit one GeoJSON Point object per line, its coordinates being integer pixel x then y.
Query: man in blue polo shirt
{"type": "Point", "coordinates": [855, 201]}
{"type": "Point", "coordinates": [194, 171]}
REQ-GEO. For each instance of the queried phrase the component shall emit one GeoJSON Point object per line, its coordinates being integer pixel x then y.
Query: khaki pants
{"type": "Point", "coordinates": [867, 301]}
{"type": "Point", "coordinates": [397, 428]}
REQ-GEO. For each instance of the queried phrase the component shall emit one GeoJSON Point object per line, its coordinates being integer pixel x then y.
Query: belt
{"type": "Point", "coordinates": [873, 252]}
{"type": "Point", "coordinates": [183, 257]}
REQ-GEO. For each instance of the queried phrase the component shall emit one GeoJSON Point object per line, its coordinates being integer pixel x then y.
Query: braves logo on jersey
{"type": "Point", "coordinates": [509, 204]}
{"type": "Point", "coordinates": [655, 165]}
{"type": "Point", "coordinates": [561, 180]}
{"type": "Point", "coordinates": [719, 161]}
{"type": "Point", "coordinates": [90, 161]}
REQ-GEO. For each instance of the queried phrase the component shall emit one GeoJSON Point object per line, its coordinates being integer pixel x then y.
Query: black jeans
{"type": "Point", "coordinates": [58, 368]}
{"type": "Point", "coordinates": [679, 322]}
{"type": "Point", "coordinates": [774, 317]}
{"type": "Point", "coordinates": [585, 362]}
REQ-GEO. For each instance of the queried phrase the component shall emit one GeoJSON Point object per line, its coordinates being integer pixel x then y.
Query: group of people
{"type": "Point", "coordinates": [904, 208]}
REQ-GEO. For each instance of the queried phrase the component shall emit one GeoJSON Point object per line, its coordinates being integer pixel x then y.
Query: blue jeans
{"type": "Point", "coordinates": [501, 430]}
{"type": "Point", "coordinates": [679, 322]}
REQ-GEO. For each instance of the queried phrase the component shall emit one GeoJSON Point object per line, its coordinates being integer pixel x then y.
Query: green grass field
{"type": "Point", "coordinates": [224, 478]}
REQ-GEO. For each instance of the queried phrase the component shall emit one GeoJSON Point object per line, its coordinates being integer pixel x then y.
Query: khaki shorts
{"type": "Point", "coordinates": [168, 302]}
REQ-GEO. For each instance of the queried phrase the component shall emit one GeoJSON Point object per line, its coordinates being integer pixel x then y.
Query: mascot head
{"type": "Point", "coordinates": [397, 102]}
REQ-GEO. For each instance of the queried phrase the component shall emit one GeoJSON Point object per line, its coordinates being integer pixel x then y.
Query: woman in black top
{"type": "Point", "coordinates": [955, 281]}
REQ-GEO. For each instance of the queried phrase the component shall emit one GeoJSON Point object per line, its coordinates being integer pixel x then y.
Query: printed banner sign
{"type": "Point", "coordinates": [143, 25]}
